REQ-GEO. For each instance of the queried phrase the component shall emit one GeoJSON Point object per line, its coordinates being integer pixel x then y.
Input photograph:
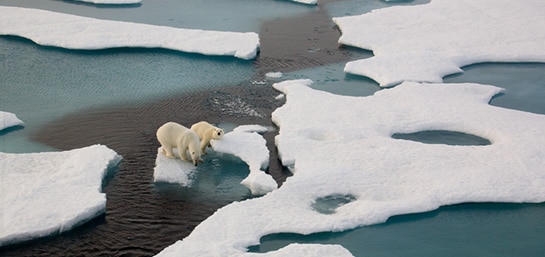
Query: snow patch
{"type": "Point", "coordinates": [76, 32]}
{"type": "Point", "coordinates": [51, 192]}
{"type": "Point", "coordinates": [426, 42]}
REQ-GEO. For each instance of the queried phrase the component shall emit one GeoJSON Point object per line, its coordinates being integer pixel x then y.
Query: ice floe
{"type": "Point", "coordinates": [51, 192]}
{"type": "Point", "coordinates": [426, 42]}
{"type": "Point", "coordinates": [342, 147]}
{"type": "Point", "coordinates": [174, 171]}
{"type": "Point", "coordinates": [243, 142]}
{"type": "Point", "coordinates": [77, 32]}
{"type": "Point", "coordinates": [111, 1]}
{"type": "Point", "coordinates": [8, 119]}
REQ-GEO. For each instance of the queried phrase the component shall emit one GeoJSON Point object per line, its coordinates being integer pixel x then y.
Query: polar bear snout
{"type": "Point", "coordinates": [218, 133]}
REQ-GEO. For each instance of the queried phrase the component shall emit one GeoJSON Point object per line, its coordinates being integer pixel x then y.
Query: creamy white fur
{"type": "Point", "coordinates": [173, 135]}
{"type": "Point", "coordinates": [206, 132]}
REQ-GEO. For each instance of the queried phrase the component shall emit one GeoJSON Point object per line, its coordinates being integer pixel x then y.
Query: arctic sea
{"type": "Point", "coordinates": [44, 84]}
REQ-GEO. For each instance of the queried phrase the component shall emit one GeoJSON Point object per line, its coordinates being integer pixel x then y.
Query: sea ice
{"type": "Point", "coordinates": [111, 1]}
{"type": "Point", "coordinates": [245, 143]}
{"type": "Point", "coordinates": [346, 149]}
{"type": "Point", "coordinates": [8, 119]}
{"type": "Point", "coordinates": [77, 32]}
{"type": "Point", "coordinates": [426, 42]}
{"type": "Point", "coordinates": [51, 192]}
{"type": "Point", "coordinates": [174, 171]}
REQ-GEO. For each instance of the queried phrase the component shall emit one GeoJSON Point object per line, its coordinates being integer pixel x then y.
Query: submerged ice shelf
{"type": "Point", "coordinates": [77, 32]}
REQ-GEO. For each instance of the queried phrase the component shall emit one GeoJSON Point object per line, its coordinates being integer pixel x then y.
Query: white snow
{"type": "Point", "coordinates": [111, 1]}
{"type": "Point", "coordinates": [173, 171]}
{"type": "Point", "coordinates": [346, 148]}
{"type": "Point", "coordinates": [8, 119]}
{"type": "Point", "coordinates": [426, 42]}
{"type": "Point", "coordinates": [76, 32]}
{"type": "Point", "coordinates": [243, 142]}
{"type": "Point", "coordinates": [273, 74]}
{"type": "Point", "coordinates": [51, 192]}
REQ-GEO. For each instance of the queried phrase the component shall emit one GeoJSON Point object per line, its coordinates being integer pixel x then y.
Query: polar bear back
{"type": "Point", "coordinates": [207, 131]}
{"type": "Point", "coordinates": [172, 135]}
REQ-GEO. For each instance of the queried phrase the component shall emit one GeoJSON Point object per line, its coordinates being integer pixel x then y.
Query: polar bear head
{"type": "Point", "coordinates": [217, 133]}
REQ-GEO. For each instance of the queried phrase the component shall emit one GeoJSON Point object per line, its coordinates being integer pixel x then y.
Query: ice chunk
{"type": "Point", "coordinates": [426, 42]}
{"type": "Point", "coordinates": [76, 32]}
{"type": "Point", "coordinates": [251, 147]}
{"type": "Point", "coordinates": [346, 149]}
{"type": "Point", "coordinates": [8, 119]}
{"type": "Point", "coordinates": [111, 1]}
{"type": "Point", "coordinates": [173, 170]}
{"type": "Point", "coordinates": [51, 192]}
{"type": "Point", "coordinates": [274, 75]}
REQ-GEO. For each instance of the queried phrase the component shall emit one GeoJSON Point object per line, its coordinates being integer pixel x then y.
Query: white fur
{"type": "Point", "coordinates": [173, 135]}
{"type": "Point", "coordinates": [206, 132]}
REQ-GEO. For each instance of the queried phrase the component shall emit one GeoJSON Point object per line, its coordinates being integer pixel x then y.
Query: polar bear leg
{"type": "Point", "coordinates": [168, 152]}
{"type": "Point", "coordinates": [182, 150]}
{"type": "Point", "coordinates": [204, 143]}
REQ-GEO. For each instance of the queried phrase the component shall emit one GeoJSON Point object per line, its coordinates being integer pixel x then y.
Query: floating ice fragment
{"type": "Point", "coordinates": [76, 32]}
{"type": "Point", "coordinates": [426, 42]}
{"type": "Point", "coordinates": [274, 75]}
{"type": "Point", "coordinates": [8, 119]}
{"type": "Point", "coordinates": [111, 1]}
{"type": "Point", "coordinates": [51, 192]}
{"type": "Point", "coordinates": [173, 170]}
{"type": "Point", "coordinates": [251, 147]}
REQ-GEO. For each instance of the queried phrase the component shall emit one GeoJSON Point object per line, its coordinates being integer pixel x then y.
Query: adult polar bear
{"type": "Point", "coordinates": [173, 135]}
{"type": "Point", "coordinates": [206, 132]}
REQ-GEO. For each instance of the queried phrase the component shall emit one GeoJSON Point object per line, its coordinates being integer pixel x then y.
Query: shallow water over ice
{"type": "Point", "coordinates": [483, 229]}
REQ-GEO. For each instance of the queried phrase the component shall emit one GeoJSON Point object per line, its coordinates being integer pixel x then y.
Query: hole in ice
{"type": "Point", "coordinates": [328, 204]}
{"type": "Point", "coordinates": [443, 137]}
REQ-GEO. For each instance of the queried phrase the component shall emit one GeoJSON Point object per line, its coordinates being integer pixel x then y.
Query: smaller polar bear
{"type": "Point", "coordinates": [206, 132]}
{"type": "Point", "coordinates": [173, 135]}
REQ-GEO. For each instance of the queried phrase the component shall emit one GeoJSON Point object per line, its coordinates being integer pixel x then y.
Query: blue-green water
{"type": "Point", "coordinates": [42, 84]}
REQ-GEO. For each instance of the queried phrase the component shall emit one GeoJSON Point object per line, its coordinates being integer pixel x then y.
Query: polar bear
{"type": "Point", "coordinates": [206, 132]}
{"type": "Point", "coordinates": [173, 135]}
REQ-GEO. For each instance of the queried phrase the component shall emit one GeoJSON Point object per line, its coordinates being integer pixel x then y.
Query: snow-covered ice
{"type": "Point", "coordinates": [273, 74]}
{"type": "Point", "coordinates": [77, 32]}
{"type": "Point", "coordinates": [174, 171]}
{"type": "Point", "coordinates": [111, 1]}
{"type": "Point", "coordinates": [8, 119]}
{"type": "Point", "coordinates": [346, 149]}
{"type": "Point", "coordinates": [51, 192]}
{"type": "Point", "coordinates": [426, 42]}
{"type": "Point", "coordinates": [243, 142]}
